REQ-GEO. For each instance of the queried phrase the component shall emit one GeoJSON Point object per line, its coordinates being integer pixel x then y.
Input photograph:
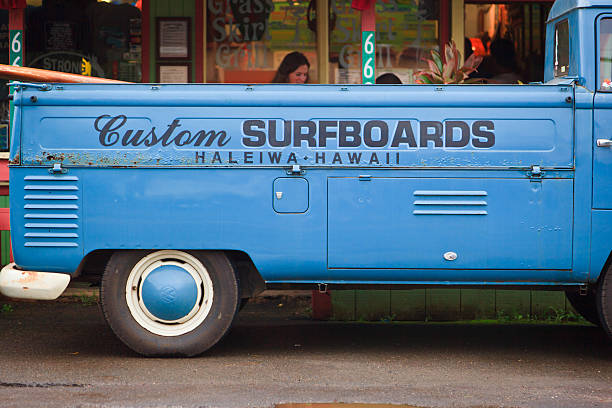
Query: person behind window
{"type": "Point", "coordinates": [292, 70]}
{"type": "Point", "coordinates": [504, 58]}
{"type": "Point", "coordinates": [388, 78]}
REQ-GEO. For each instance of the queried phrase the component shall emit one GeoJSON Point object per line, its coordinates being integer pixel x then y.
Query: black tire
{"type": "Point", "coordinates": [586, 305]}
{"type": "Point", "coordinates": [604, 302]}
{"type": "Point", "coordinates": [212, 319]}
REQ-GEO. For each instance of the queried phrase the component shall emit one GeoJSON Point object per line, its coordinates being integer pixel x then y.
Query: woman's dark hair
{"type": "Point", "coordinates": [290, 63]}
{"type": "Point", "coordinates": [388, 78]}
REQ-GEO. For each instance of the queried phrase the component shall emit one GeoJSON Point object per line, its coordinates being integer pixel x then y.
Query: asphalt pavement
{"type": "Point", "coordinates": [62, 354]}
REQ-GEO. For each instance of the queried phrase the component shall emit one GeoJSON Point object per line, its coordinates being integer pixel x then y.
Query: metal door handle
{"type": "Point", "coordinates": [604, 143]}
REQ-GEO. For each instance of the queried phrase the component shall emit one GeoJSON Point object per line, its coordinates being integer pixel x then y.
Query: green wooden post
{"type": "Point", "coordinates": [16, 58]}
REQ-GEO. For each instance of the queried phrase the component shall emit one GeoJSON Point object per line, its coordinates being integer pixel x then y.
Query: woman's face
{"type": "Point", "coordinates": [300, 75]}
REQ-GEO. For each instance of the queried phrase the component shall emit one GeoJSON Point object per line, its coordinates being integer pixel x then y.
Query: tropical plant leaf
{"type": "Point", "coordinates": [448, 51]}
{"type": "Point", "coordinates": [457, 77]}
{"type": "Point", "coordinates": [423, 78]}
{"type": "Point", "coordinates": [452, 60]}
{"type": "Point", "coordinates": [433, 67]}
{"type": "Point", "coordinates": [456, 57]}
{"type": "Point", "coordinates": [435, 56]}
{"type": "Point", "coordinates": [448, 72]}
{"type": "Point", "coordinates": [437, 79]}
{"type": "Point", "coordinates": [467, 71]}
{"type": "Point", "coordinates": [473, 61]}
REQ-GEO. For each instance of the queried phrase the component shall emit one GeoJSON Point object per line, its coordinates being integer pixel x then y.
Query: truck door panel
{"type": "Point", "coordinates": [602, 120]}
{"type": "Point", "coordinates": [602, 155]}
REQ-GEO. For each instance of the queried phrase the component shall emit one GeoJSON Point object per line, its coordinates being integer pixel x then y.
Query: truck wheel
{"type": "Point", "coordinates": [586, 305]}
{"type": "Point", "coordinates": [604, 302]}
{"type": "Point", "coordinates": [169, 303]}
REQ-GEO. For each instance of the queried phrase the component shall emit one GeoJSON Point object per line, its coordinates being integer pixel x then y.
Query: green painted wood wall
{"type": "Point", "coordinates": [440, 304]}
{"type": "Point", "coordinates": [170, 8]}
{"type": "Point", "coordinates": [5, 237]}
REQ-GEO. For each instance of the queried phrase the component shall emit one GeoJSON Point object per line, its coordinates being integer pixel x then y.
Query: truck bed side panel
{"type": "Point", "coordinates": [200, 167]}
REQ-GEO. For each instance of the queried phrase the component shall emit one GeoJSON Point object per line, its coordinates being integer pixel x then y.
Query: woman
{"type": "Point", "coordinates": [292, 70]}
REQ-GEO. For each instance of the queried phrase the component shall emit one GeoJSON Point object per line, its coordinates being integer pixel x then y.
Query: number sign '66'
{"type": "Point", "coordinates": [16, 52]}
{"type": "Point", "coordinates": [368, 56]}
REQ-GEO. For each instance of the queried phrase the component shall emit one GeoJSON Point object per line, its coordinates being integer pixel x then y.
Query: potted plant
{"type": "Point", "coordinates": [447, 70]}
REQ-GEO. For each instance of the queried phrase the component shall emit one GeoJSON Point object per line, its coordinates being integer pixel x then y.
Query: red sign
{"type": "Point", "coordinates": [12, 4]}
{"type": "Point", "coordinates": [361, 5]}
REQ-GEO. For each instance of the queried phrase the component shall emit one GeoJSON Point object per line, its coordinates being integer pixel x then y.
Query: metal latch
{"type": "Point", "coordinates": [296, 170]}
{"type": "Point", "coordinates": [535, 174]}
{"type": "Point", "coordinates": [57, 169]}
{"type": "Point", "coordinates": [42, 87]}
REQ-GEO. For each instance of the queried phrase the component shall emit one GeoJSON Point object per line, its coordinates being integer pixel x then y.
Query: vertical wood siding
{"type": "Point", "coordinates": [170, 8]}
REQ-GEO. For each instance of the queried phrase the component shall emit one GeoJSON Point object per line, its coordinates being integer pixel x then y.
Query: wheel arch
{"type": "Point", "coordinates": [250, 280]}
{"type": "Point", "coordinates": [600, 250]}
{"type": "Point", "coordinates": [251, 283]}
{"type": "Point", "coordinates": [595, 279]}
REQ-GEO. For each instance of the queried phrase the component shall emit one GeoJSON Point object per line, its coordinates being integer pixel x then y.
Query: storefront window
{"type": "Point", "coordinates": [406, 31]}
{"type": "Point", "coordinates": [85, 37]}
{"type": "Point", "coordinates": [247, 40]}
{"type": "Point", "coordinates": [605, 54]}
{"type": "Point", "coordinates": [510, 37]}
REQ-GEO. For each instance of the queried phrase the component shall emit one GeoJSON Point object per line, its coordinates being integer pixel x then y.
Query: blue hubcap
{"type": "Point", "coordinates": [169, 292]}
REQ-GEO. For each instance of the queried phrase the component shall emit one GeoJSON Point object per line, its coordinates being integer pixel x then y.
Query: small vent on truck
{"type": "Point", "coordinates": [51, 211]}
{"type": "Point", "coordinates": [449, 202]}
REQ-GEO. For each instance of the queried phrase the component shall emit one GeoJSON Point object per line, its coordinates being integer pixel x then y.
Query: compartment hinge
{"type": "Point", "coordinates": [58, 169]}
{"type": "Point", "coordinates": [296, 170]}
{"type": "Point", "coordinates": [535, 174]}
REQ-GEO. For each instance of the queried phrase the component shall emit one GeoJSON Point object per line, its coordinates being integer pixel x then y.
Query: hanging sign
{"type": "Point", "coordinates": [368, 56]}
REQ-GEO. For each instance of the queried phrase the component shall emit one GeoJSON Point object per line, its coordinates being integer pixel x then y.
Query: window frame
{"type": "Point", "coordinates": [598, 81]}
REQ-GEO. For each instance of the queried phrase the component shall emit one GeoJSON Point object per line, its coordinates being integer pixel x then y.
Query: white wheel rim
{"type": "Point", "coordinates": [155, 325]}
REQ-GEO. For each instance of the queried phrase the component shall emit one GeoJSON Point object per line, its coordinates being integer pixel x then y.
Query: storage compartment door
{"type": "Point", "coordinates": [450, 223]}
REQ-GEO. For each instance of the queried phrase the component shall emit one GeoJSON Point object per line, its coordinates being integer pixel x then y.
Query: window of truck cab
{"type": "Point", "coordinates": [561, 49]}
{"type": "Point", "coordinates": [605, 54]}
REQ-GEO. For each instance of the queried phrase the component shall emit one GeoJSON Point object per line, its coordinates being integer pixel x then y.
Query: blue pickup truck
{"type": "Point", "coordinates": [184, 200]}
